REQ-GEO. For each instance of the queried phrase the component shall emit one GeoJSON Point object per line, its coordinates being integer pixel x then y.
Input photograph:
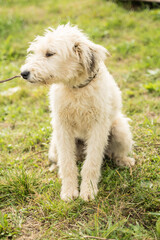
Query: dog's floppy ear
{"type": "Point", "coordinates": [89, 55]}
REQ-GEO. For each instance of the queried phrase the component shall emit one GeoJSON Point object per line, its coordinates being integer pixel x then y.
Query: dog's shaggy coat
{"type": "Point", "coordinates": [86, 104]}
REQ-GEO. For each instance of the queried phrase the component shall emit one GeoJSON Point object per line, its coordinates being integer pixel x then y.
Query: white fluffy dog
{"type": "Point", "coordinates": [86, 104]}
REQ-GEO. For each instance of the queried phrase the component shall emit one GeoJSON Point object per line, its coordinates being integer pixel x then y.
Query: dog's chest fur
{"type": "Point", "coordinates": [76, 108]}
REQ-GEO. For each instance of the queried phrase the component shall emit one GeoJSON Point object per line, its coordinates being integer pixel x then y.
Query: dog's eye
{"type": "Point", "coordinates": [49, 54]}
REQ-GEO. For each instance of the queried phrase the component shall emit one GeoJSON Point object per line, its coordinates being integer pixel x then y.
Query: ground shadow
{"type": "Point", "coordinates": [108, 162]}
{"type": "Point", "coordinates": [136, 5]}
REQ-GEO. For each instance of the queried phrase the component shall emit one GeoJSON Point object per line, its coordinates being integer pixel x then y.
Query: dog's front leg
{"type": "Point", "coordinates": [92, 166]}
{"type": "Point", "coordinates": [68, 172]}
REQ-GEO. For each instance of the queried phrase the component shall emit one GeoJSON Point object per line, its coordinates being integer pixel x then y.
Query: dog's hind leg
{"type": "Point", "coordinates": [120, 142]}
{"type": "Point", "coordinates": [52, 155]}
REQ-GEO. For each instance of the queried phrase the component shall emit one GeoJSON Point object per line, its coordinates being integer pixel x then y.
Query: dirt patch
{"type": "Point", "coordinates": [31, 229]}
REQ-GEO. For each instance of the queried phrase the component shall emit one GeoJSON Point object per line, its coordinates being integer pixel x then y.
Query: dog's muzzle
{"type": "Point", "coordinates": [25, 74]}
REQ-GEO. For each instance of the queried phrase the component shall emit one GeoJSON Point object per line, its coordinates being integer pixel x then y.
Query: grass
{"type": "Point", "coordinates": [127, 206]}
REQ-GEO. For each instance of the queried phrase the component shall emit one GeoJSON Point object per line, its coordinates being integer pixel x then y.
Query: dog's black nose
{"type": "Point", "coordinates": [25, 74]}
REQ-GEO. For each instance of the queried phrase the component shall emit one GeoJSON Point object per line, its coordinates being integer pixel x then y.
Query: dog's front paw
{"type": "Point", "coordinates": [88, 191]}
{"type": "Point", "coordinates": [69, 194]}
{"type": "Point", "coordinates": [125, 162]}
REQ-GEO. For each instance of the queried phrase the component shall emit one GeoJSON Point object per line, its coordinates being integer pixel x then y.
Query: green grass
{"type": "Point", "coordinates": [128, 203]}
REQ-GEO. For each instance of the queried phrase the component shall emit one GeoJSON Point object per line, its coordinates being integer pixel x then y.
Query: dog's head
{"type": "Point", "coordinates": [62, 55]}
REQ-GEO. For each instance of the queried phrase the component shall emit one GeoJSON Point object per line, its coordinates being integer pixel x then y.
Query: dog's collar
{"type": "Point", "coordinates": [82, 85]}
